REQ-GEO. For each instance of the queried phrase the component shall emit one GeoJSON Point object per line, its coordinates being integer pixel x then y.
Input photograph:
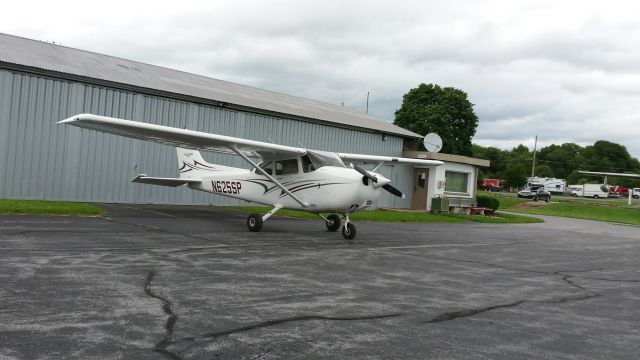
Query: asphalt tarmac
{"type": "Point", "coordinates": [169, 282]}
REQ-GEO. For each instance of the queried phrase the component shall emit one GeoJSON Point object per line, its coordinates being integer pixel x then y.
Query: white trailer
{"type": "Point", "coordinates": [552, 185]}
{"type": "Point", "coordinates": [590, 190]}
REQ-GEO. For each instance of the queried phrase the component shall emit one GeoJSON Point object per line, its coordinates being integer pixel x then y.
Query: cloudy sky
{"type": "Point", "coordinates": [568, 71]}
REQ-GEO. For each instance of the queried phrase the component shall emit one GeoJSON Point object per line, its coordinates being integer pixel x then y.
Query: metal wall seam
{"type": "Point", "coordinates": [6, 82]}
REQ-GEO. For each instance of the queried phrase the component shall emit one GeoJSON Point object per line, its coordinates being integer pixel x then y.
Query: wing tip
{"type": "Point", "coordinates": [68, 120]}
{"type": "Point", "coordinates": [75, 118]}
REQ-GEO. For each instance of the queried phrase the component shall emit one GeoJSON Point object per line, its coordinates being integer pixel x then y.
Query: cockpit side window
{"type": "Point", "coordinates": [287, 167]}
{"type": "Point", "coordinates": [267, 166]}
{"type": "Point", "coordinates": [307, 165]}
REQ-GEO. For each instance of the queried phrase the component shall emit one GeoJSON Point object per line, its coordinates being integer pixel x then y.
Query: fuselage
{"type": "Point", "coordinates": [327, 189]}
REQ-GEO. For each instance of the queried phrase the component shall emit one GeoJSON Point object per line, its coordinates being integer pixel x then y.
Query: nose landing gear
{"type": "Point", "coordinates": [334, 221]}
{"type": "Point", "coordinates": [348, 230]}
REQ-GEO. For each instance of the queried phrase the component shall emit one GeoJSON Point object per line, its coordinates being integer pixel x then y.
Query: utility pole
{"type": "Point", "coordinates": [367, 102]}
{"type": "Point", "coordinates": [533, 165]}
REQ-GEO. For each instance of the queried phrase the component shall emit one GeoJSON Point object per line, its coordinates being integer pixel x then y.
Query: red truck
{"type": "Point", "coordinates": [492, 184]}
{"type": "Point", "coordinates": [618, 191]}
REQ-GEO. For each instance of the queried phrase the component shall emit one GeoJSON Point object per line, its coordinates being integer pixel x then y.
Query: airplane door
{"type": "Point", "coordinates": [419, 198]}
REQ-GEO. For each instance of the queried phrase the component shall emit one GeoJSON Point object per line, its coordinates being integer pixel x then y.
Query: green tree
{"type": "Point", "coordinates": [496, 157]}
{"type": "Point", "coordinates": [514, 175]}
{"type": "Point", "coordinates": [562, 159]}
{"type": "Point", "coordinates": [544, 171]}
{"type": "Point", "coordinates": [445, 111]}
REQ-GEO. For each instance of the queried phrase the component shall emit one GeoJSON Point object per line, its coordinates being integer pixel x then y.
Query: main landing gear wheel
{"type": "Point", "coordinates": [254, 222]}
{"type": "Point", "coordinates": [348, 231]}
{"type": "Point", "coordinates": [333, 222]}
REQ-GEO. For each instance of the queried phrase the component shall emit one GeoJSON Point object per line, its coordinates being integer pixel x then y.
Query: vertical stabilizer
{"type": "Point", "coordinates": [191, 165]}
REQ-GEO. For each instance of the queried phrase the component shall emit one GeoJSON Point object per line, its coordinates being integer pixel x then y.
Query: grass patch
{"type": "Point", "coordinates": [41, 207]}
{"type": "Point", "coordinates": [500, 218]}
{"type": "Point", "coordinates": [506, 203]}
{"type": "Point", "coordinates": [589, 212]}
{"type": "Point", "coordinates": [615, 202]}
{"type": "Point", "coordinates": [384, 215]}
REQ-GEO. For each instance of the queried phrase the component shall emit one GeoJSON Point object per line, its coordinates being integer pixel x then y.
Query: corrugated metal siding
{"type": "Point", "coordinates": [42, 160]}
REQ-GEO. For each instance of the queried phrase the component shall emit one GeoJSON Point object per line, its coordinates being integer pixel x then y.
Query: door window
{"type": "Point", "coordinates": [287, 167]}
{"type": "Point", "coordinates": [267, 166]}
{"type": "Point", "coordinates": [422, 179]}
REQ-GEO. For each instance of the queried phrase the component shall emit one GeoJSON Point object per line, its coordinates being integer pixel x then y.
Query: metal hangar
{"type": "Point", "coordinates": [42, 83]}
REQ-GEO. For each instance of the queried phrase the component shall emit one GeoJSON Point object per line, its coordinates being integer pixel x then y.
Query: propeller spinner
{"type": "Point", "coordinates": [366, 176]}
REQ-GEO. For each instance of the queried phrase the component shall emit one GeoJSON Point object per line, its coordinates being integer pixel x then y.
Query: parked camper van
{"type": "Point", "coordinates": [552, 185]}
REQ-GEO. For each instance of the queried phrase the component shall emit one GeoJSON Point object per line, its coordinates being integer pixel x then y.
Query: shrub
{"type": "Point", "coordinates": [488, 202]}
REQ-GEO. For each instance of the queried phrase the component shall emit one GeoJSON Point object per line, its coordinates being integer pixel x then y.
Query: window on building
{"type": "Point", "coordinates": [456, 182]}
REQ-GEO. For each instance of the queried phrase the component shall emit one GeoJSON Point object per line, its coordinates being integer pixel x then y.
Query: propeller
{"type": "Point", "coordinates": [367, 176]}
{"type": "Point", "coordinates": [364, 173]}
{"type": "Point", "coordinates": [393, 190]}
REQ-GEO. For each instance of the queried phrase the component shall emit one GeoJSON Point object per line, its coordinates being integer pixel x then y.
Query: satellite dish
{"type": "Point", "coordinates": [432, 142]}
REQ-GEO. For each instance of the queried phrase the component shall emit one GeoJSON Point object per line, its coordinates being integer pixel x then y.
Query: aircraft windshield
{"type": "Point", "coordinates": [322, 158]}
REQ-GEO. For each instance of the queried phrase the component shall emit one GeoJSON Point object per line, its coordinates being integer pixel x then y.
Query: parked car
{"type": "Point", "coordinates": [541, 194]}
{"type": "Point", "coordinates": [535, 194]}
{"type": "Point", "coordinates": [525, 193]}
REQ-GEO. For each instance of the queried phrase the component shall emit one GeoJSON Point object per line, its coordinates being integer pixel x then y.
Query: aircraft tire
{"type": "Point", "coordinates": [333, 222]}
{"type": "Point", "coordinates": [535, 198]}
{"type": "Point", "coordinates": [349, 231]}
{"type": "Point", "coordinates": [254, 222]}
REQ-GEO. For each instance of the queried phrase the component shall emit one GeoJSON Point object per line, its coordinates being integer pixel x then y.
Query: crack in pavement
{"type": "Point", "coordinates": [209, 337]}
{"type": "Point", "coordinates": [566, 278]}
{"type": "Point", "coordinates": [160, 347]}
{"type": "Point", "coordinates": [217, 334]}
{"type": "Point", "coordinates": [470, 312]}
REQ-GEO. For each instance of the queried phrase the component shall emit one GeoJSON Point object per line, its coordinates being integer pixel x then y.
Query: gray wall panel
{"type": "Point", "coordinates": [42, 160]}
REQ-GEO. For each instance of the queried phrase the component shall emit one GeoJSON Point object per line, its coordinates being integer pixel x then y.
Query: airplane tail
{"type": "Point", "coordinates": [191, 165]}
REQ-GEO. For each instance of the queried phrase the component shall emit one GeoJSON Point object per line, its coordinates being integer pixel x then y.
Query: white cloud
{"type": "Point", "coordinates": [567, 71]}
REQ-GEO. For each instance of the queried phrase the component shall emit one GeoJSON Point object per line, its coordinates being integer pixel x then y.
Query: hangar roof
{"type": "Point", "coordinates": [65, 61]}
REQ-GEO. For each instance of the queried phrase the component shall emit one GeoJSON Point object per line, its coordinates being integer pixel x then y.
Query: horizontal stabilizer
{"type": "Point", "coordinates": [144, 179]}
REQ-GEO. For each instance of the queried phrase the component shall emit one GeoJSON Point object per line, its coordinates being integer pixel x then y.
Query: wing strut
{"type": "Point", "coordinates": [276, 182]}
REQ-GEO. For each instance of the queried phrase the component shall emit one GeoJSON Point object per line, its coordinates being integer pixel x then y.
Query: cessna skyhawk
{"type": "Point", "coordinates": [280, 176]}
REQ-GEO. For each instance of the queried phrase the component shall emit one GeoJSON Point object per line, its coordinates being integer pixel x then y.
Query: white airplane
{"type": "Point", "coordinates": [280, 176]}
{"type": "Point", "coordinates": [605, 175]}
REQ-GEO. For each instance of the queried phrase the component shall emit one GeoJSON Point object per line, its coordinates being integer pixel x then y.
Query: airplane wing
{"type": "Point", "coordinates": [173, 182]}
{"type": "Point", "coordinates": [388, 159]}
{"type": "Point", "coordinates": [621, 175]}
{"type": "Point", "coordinates": [189, 139]}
